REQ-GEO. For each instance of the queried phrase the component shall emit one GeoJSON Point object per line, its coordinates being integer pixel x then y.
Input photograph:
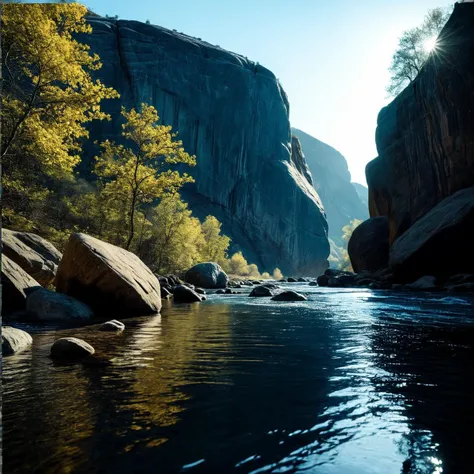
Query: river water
{"type": "Point", "coordinates": [351, 381]}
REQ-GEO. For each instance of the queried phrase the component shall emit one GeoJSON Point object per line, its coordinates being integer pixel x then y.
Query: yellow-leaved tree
{"type": "Point", "coordinates": [48, 95]}
{"type": "Point", "coordinates": [139, 173]}
{"type": "Point", "coordinates": [215, 244]}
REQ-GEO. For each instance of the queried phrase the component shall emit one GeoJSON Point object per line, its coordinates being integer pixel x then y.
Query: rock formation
{"type": "Point", "coordinates": [332, 180]}
{"type": "Point", "coordinates": [14, 340]}
{"type": "Point", "coordinates": [107, 278]}
{"type": "Point", "coordinates": [233, 115]}
{"type": "Point", "coordinates": [207, 275]}
{"type": "Point", "coordinates": [425, 137]}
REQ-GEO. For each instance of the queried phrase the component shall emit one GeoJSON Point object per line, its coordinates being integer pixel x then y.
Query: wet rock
{"type": "Point", "coordinates": [165, 293]}
{"type": "Point", "coordinates": [45, 305]}
{"type": "Point", "coordinates": [439, 243]}
{"type": "Point", "coordinates": [289, 296]}
{"type": "Point", "coordinates": [68, 348]}
{"type": "Point", "coordinates": [15, 285]}
{"type": "Point", "coordinates": [313, 283]}
{"type": "Point", "coordinates": [35, 255]}
{"type": "Point", "coordinates": [323, 280]}
{"type": "Point", "coordinates": [228, 291]}
{"type": "Point", "coordinates": [184, 294]}
{"type": "Point", "coordinates": [14, 340]}
{"type": "Point", "coordinates": [467, 287]}
{"type": "Point", "coordinates": [292, 280]}
{"type": "Point", "coordinates": [380, 285]}
{"type": "Point", "coordinates": [113, 326]}
{"type": "Point", "coordinates": [302, 280]}
{"type": "Point", "coordinates": [220, 292]}
{"type": "Point", "coordinates": [426, 283]}
{"type": "Point", "coordinates": [107, 278]}
{"type": "Point", "coordinates": [261, 291]}
{"type": "Point", "coordinates": [200, 291]}
{"type": "Point", "coordinates": [368, 245]}
{"type": "Point", "coordinates": [341, 281]}
{"type": "Point", "coordinates": [207, 275]}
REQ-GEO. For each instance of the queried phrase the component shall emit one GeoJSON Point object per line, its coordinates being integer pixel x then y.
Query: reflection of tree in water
{"type": "Point", "coordinates": [432, 369]}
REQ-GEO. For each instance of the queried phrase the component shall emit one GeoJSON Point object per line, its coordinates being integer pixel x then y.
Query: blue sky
{"type": "Point", "coordinates": [331, 56]}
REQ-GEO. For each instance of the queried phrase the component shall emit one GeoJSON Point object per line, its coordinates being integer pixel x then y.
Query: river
{"type": "Point", "coordinates": [350, 381]}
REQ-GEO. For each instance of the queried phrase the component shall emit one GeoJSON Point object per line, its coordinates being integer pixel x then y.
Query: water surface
{"type": "Point", "coordinates": [351, 381]}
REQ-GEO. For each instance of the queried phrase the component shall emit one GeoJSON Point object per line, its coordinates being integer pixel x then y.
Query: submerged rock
{"type": "Point", "coordinates": [207, 275]}
{"type": "Point", "coordinates": [426, 283]}
{"type": "Point", "coordinates": [184, 294]}
{"type": "Point", "coordinates": [368, 245]}
{"type": "Point", "coordinates": [261, 290]}
{"type": "Point", "coordinates": [289, 296]}
{"type": "Point", "coordinates": [15, 285]}
{"type": "Point", "coordinates": [38, 257]}
{"type": "Point", "coordinates": [68, 348]}
{"type": "Point", "coordinates": [113, 326]}
{"type": "Point", "coordinates": [107, 278]}
{"type": "Point", "coordinates": [45, 305]}
{"type": "Point", "coordinates": [14, 340]}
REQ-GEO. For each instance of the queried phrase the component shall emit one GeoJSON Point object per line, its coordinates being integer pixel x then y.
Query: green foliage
{"type": "Point", "coordinates": [215, 244]}
{"type": "Point", "coordinates": [140, 173]}
{"type": "Point", "coordinates": [412, 53]}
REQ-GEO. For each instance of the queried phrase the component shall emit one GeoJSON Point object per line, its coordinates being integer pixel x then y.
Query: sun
{"type": "Point", "coordinates": [430, 44]}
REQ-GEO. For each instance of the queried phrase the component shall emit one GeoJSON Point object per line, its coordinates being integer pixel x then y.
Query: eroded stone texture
{"type": "Point", "coordinates": [425, 137]}
{"type": "Point", "coordinates": [233, 115]}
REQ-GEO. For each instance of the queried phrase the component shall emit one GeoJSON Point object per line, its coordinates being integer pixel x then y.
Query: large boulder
{"type": "Point", "coordinates": [69, 348]}
{"type": "Point", "coordinates": [14, 340]}
{"type": "Point", "coordinates": [15, 285]}
{"type": "Point", "coordinates": [45, 305]}
{"type": "Point", "coordinates": [244, 174]}
{"type": "Point", "coordinates": [440, 243]}
{"type": "Point", "coordinates": [107, 278]}
{"type": "Point", "coordinates": [262, 290]}
{"type": "Point", "coordinates": [184, 294]}
{"type": "Point", "coordinates": [368, 245]}
{"type": "Point", "coordinates": [207, 275]}
{"type": "Point", "coordinates": [425, 137]}
{"type": "Point", "coordinates": [38, 257]}
{"type": "Point", "coordinates": [289, 296]}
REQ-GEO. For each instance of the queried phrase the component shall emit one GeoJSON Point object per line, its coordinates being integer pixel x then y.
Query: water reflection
{"type": "Point", "coordinates": [347, 382]}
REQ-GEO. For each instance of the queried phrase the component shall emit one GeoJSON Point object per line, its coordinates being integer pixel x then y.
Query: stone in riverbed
{"type": "Point", "coordinates": [426, 283]}
{"type": "Point", "coordinates": [261, 290]}
{"type": "Point", "coordinates": [14, 340]}
{"type": "Point", "coordinates": [15, 285]}
{"type": "Point", "coordinates": [45, 305]}
{"type": "Point", "coordinates": [68, 348]}
{"type": "Point", "coordinates": [322, 280]}
{"type": "Point", "coordinates": [292, 280]}
{"type": "Point", "coordinates": [184, 294]}
{"type": "Point", "coordinates": [467, 287]}
{"type": "Point", "coordinates": [38, 257]}
{"type": "Point", "coordinates": [289, 296]}
{"type": "Point", "coordinates": [113, 326]}
{"type": "Point", "coordinates": [207, 275]}
{"type": "Point", "coordinates": [107, 278]}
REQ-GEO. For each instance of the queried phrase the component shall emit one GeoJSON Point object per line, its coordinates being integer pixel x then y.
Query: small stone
{"type": "Point", "coordinates": [113, 326]}
{"type": "Point", "coordinates": [289, 296]}
{"type": "Point", "coordinates": [71, 348]}
{"type": "Point", "coordinates": [14, 340]}
{"type": "Point", "coordinates": [261, 291]}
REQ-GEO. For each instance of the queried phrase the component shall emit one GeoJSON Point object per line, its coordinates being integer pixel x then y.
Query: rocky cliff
{"type": "Point", "coordinates": [425, 137]}
{"type": "Point", "coordinates": [233, 115]}
{"type": "Point", "coordinates": [332, 180]}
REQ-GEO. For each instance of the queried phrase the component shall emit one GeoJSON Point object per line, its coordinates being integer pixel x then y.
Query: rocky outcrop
{"type": "Point", "coordinates": [14, 340]}
{"type": "Point", "coordinates": [38, 257]}
{"type": "Point", "coordinates": [44, 305]}
{"type": "Point", "coordinates": [332, 180]}
{"type": "Point", "coordinates": [425, 137]}
{"type": "Point", "coordinates": [363, 193]}
{"type": "Point", "coordinates": [233, 115]}
{"type": "Point", "coordinates": [107, 278]}
{"type": "Point", "coordinates": [15, 285]}
{"type": "Point", "coordinates": [368, 245]}
{"type": "Point", "coordinates": [299, 160]}
{"type": "Point", "coordinates": [70, 348]}
{"type": "Point", "coordinates": [438, 244]}
{"type": "Point", "coordinates": [207, 275]}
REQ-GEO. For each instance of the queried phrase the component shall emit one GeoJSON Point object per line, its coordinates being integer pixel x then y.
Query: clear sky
{"type": "Point", "coordinates": [331, 56]}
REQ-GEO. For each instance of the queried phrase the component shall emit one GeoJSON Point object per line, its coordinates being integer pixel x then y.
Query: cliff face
{"type": "Point", "coordinates": [233, 115]}
{"type": "Point", "coordinates": [425, 137]}
{"type": "Point", "coordinates": [332, 180]}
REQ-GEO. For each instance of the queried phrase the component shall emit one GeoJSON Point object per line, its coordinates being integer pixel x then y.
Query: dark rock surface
{"type": "Point", "coordinates": [45, 305]}
{"type": "Point", "coordinates": [15, 283]}
{"type": "Point", "coordinates": [262, 290]}
{"type": "Point", "coordinates": [368, 245]}
{"type": "Point", "coordinates": [438, 244]}
{"type": "Point", "coordinates": [289, 296]}
{"type": "Point", "coordinates": [14, 340]}
{"type": "Point", "coordinates": [107, 278]}
{"type": "Point", "coordinates": [38, 257]}
{"type": "Point", "coordinates": [112, 326]}
{"type": "Point", "coordinates": [68, 348]}
{"type": "Point", "coordinates": [207, 275]}
{"type": "Point", "coordinates": [184, 294]}
{"type": "Point", "coordinates": [425, 283]}
{"type": "Point", "coordinates": [363, 193]}
{"type": "Point", "coordinates": [234, 116]}
{"type": "Point", "coordinates": [425, 137]}
{"type": "Point", "coordinates": [332, 180]}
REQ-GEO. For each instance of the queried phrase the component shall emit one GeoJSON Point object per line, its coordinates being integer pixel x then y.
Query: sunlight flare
{"type": "Point", "coordinates": [430, 44]}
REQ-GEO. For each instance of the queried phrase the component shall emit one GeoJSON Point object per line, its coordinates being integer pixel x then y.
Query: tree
{"type": "Point", "coordinates": [414, 48]}
{"type": "Point", "coordinates": [237, 265]}
{"type": "Point", "coordinates": [349, 228]}
{"type": "Point", "coordinates": [216, 244]}
{"type": "Point", "coordinates": [48, 93]}
{"type": "Point", "coordinates": [140, 173]}
{"type": "Point", "coordinates": [277, 275]}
